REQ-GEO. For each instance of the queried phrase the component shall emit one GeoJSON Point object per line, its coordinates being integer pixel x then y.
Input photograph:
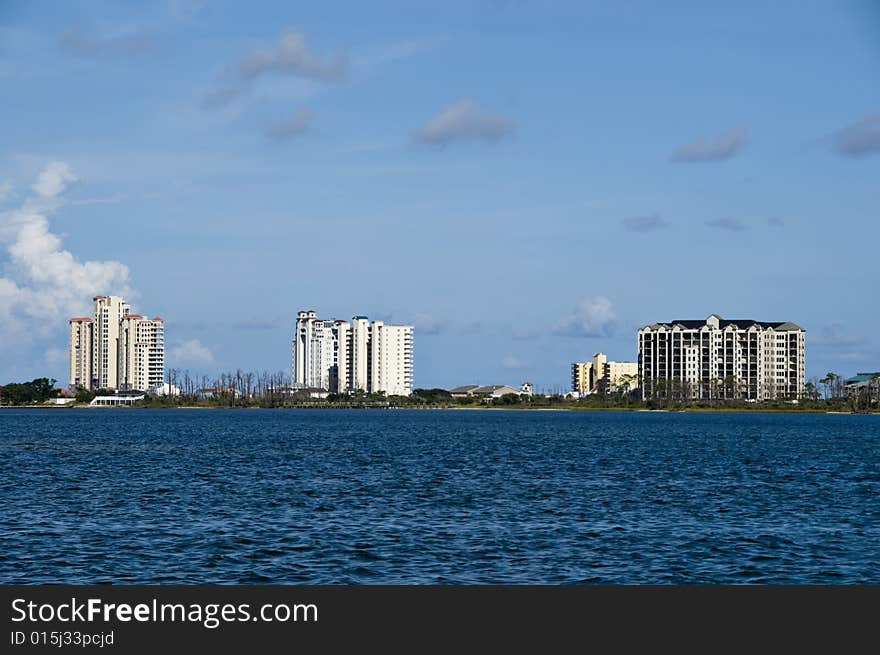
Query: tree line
{"type": "Point", "coordinates": [38, 390]}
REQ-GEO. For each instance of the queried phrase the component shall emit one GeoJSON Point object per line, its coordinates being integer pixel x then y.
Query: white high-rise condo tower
{"type": "Point", "coordinates": [720, 358]}
{"type": "Point", "coordinates": [343, 358]}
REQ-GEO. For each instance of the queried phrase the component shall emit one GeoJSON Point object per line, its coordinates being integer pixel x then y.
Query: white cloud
{"type": "Point", "coordinates": [593, 317]}
{"type": "Point", "coordinates": [5, 190]}
{"type": "Point", "coordinates": [427, 324]}
{"type": "Point", "coordinates": [44, 284]}
{"type": "Point", "coordinates": [55, 356]}
{"type": "Point", "coordinates": [513, 362]}
{"type": "Point", "coordinates": [293, 126]}
{"type": "Point", "coordinates": [860, 138]}
{"type": "Point", "coordinates": [644, 223]}
{"type": "Point", "coordinates": [191, 352]}
{"type": "Point", "coordinates": [53, 180]}
{"type": "Point", "coordinates": [125, 43]}
{"type": "Point", "coordinates": [464, 121]}
{"type": "Point", "coordinates": [724, 146]}
{"type": "Point", "coordinates": [185, 9]}
{"type": "Point", "coordinates": [728, 223]}
{"type": "Point", "coordinates": [290, 56]}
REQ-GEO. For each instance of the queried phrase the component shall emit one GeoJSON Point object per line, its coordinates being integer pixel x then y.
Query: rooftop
{"type": "Point", "coordinates": [743, 323]}
{"type": "Point", "coordinates": [863, 377]}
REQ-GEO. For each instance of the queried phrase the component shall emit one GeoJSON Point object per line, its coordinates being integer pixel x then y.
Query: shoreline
{"type": "Point", "coordinates": [701, 410]}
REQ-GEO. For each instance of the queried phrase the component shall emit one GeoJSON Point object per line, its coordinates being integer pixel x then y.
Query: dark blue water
{"type": "Point", "coordinates": [374, 496]}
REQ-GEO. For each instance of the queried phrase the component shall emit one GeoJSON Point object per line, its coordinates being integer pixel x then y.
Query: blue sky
{"type": "Point", "coordinates": [527, 182]}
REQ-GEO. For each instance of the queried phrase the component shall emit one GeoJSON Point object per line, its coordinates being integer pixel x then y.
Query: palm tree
{"type": "Point", "coordinates": [810, 390]}
{"type": "Point", "coordinates": [828, 381]}
{"type": "Point", "coordinates": [729, 386]}
{"type": "Point", "coordinates": [825, 382]}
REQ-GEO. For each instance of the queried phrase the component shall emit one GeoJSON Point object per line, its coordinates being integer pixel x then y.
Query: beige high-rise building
{"type": "Point", "coordinates": [141, 352]}
{"type": "Point", "coordinates": [600, 375]}
{"type": "Point", "coordinates": [619, 375]}
{"type": "Point", "coordinates": [343, 358]}
{"type": "Point", "coordinates": [116, 349]}
{"type": "Point", "coordinates": [721, 358]}
{"type": "Point", "coordinates": [108, 312]}
{"type": "Point", "coordinates": [81, 334]}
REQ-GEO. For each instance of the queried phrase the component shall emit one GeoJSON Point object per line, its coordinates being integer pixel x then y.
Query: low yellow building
{"type": "Point", "coordinates": [600, 375]}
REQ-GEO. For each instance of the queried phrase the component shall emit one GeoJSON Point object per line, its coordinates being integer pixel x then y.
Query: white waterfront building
{"type": "Point", "coordinates": [343, 357]}
{"type": "Point", "coordinates": [721, 358]}
{"type": "Point", "coordinates": [115, 349]}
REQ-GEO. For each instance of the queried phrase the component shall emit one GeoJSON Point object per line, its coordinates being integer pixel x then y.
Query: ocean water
{"type": "Point", "coordinates": [448, 497]}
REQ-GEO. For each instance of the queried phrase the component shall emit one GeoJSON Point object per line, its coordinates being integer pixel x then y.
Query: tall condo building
{"type": "Point", "coordinates": [319, 347]}
{"type": "Point", "coordinates": [81, 341]}
{"type": "Point", "coordinates": [141, 352]}
{"type": "Point", "coordinates": [719, 358]}
{"type": "Point", "coordinates": [344, 357]}
{"type": "Point", "coordinates": [115, 349]}
{"type": "Point", "coordinates": [108, 312]}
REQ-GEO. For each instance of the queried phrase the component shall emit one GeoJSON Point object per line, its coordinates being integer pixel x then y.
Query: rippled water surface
{"type": "Point", "coordinates": [408, 496]}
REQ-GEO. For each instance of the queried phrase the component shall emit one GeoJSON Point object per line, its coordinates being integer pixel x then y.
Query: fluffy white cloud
{"type": "Point", "coordinates": [465, 121]}
{"type": "Point", "coordinates": [53, 180]}
{"type": "Point", "coordinates": [593, 317]}
{"type": "Point", "coordinates": [43, 284]}
{"type": "Point", "coordinates": [191, 352]}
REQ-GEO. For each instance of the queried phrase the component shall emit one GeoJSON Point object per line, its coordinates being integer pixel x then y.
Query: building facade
{"type": "Point", "coordinates": [115, 349]}
{"type": "Point", "coordinates": [108, 313]}
{"type": "Point", "coordinates": [601, 376]}
{"type": "Point", "coordinates": [343, 357]}
{"type": "Point", "coordinates": [391, 358]}
{"type": "Point", "coordinates": [141, 353]}
{"type": "Point", "coordinates": [81, 339]}
{"type": "Point", "coordinates": [720, 358]}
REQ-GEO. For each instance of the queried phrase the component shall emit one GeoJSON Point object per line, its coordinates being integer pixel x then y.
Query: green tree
{"type": "Point", "coordinates": [828, 381]}
{"type": "Point", "coordinates": [810, 390]}
{"type": "Point", "coordinates": [84, 395]}
{"type": "Point", "coordinates": [22, 393]}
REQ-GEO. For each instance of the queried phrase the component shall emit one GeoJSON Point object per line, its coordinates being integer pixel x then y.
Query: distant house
{"type": "Point", "coordinates": [464, 392]}
{"type": "Point", "coordinates": [313, 393]}
{"type": "Point", "coordinates": [164, 389]}
{"type": "Point", "coordinates": [495, 391]}
{"type": "Point", "coordinates": [489, 391]}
